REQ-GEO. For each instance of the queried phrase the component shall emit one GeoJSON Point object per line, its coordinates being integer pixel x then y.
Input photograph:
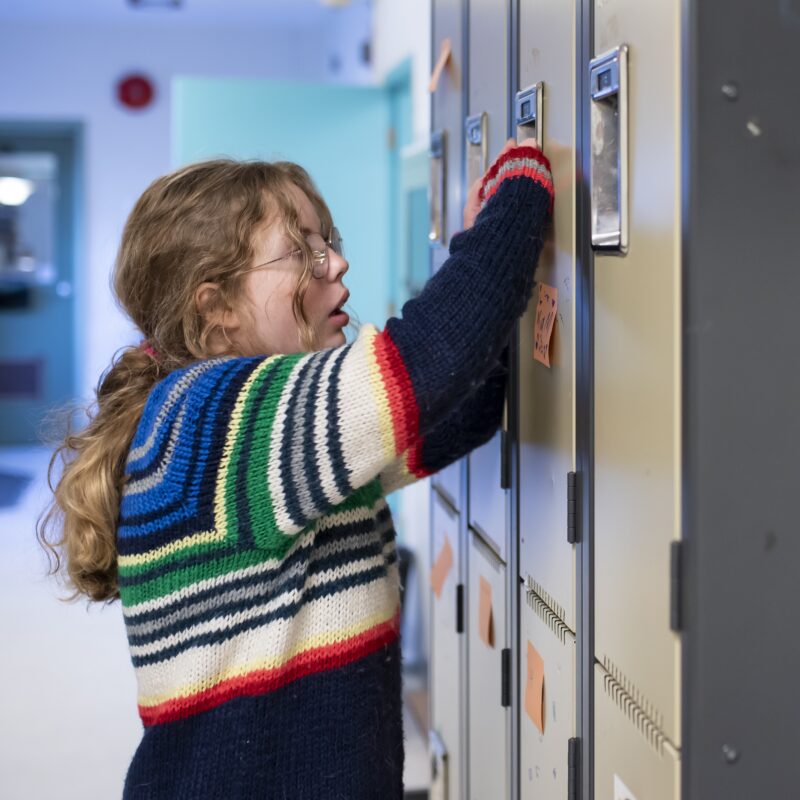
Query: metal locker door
{"type": "Point", "coordinates": [486, 648]}
{"type": "Point", "coordinates": [635, 107]}
{"type": "Point", "coordinates": [487, 115]}
{"type": "Point", "coordinates": [447, 198]}
{"type": "Point", "coordinates": [546, 699]}
{"type": "Point", "coordinates": [547, 394]}
{"type": "Point", "coordinates": [446, 668]}
{"type": "Point", "coordinates": [633, 760]}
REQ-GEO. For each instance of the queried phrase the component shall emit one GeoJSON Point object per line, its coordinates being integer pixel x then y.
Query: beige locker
{"type": "Point", "coordinates": [546, 697]}
{"type": "Point", "coordinates": [445, 666]}
{"type": "Point", "coordinates": [547, 394]}
{"type": "Point", "coordinates": [488, 719]}
{"type": "Point", "coordinates": [487, 119]}
{"type": "Point", "coordinates": [633, 759]}
{"type": "Point", "coordinates": [637, 356]}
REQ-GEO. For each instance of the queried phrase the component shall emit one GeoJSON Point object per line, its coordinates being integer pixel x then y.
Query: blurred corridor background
{"type": "Point", "coordinates": [104, 97]}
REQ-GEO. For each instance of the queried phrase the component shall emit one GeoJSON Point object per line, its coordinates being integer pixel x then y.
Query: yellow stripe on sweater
{"type": "Point", "coordinates": [274, 662]}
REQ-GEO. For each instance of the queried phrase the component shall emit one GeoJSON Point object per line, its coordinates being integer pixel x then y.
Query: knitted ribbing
{"type": "Point", "coordinates": [257, 562]}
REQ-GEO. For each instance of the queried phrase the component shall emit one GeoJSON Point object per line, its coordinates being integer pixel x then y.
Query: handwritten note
{"type": "Point", "coordinates": [485, 616]}
{"type": "Point", "coordinates": [441, 567]}
{"type": "Point", "coordinates": [546, 311]}
{"type": "Point", "coordinates": [444, 56]}
{"type": "Point", "coordinates": [534, 688]}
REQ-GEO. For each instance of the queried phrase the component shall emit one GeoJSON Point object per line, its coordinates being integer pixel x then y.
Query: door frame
{"type": "Point", "coordinates": [65, 139]}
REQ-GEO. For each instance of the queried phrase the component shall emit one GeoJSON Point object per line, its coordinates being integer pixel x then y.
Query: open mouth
{"type": "Point", "coordinates": [339, 310]}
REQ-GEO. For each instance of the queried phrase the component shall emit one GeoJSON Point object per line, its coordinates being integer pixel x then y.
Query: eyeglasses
{"type": "Point", "coordinates": [319, 252]}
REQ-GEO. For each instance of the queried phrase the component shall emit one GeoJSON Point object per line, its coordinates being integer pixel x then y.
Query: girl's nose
{"type": "Point", "coordinates": [337, 265]}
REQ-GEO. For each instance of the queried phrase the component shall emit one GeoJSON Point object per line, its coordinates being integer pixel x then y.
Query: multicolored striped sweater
{"type": "Point", "coordinates": [257, 563]}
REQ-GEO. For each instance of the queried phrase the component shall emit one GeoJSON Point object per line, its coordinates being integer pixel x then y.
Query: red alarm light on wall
{"type": "Point", "coordinates": [135, 91]}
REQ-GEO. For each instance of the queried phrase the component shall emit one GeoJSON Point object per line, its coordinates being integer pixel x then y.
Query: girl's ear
{"type": "Point", "coordinates": [212, 307]}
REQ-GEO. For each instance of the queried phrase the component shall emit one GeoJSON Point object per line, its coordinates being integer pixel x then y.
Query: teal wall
{"type": "Point", "coordinates": [338, 133]}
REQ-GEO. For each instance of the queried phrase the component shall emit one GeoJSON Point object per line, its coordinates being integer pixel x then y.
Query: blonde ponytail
{"type": "Point", "coordinates": [196, 224]}
{"type": "Point", "coordinates": [86, 500]}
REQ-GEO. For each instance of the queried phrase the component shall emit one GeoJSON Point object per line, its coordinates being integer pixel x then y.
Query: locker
{"type": "Point", "coordinates": [447, 116]}
{"type": "Point", "coordinates": [544, 757]}
{"type": "Point", "coordinates": [446, 661]}
{"type": "Point", "coordinates": [544, 109]}
{"type": "Point", "coordinates": [487, 115]}
{"type": "Point", "coordinates": [633, 760]}
{"type": "Point", "coordinates": [488, 717]}
{"type": "Point", "coordinates": [636, 234]}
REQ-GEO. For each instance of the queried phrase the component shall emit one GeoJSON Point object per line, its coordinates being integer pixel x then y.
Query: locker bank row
{"type": "Point", "coordinates": [580, 607]}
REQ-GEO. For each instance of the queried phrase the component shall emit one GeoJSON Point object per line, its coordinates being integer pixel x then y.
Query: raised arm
{"type": "Point", "coordinates": [296, 435]}
{"type": "Point", "coordinates": [472, 423]}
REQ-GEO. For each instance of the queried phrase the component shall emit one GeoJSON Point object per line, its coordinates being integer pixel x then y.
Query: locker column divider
{"type": "Point", "coordinates": [584, 407]}
{"type": "Point", "coordinates": [512, 582]}
{"type": "Point", "coordinates": [465, 499]}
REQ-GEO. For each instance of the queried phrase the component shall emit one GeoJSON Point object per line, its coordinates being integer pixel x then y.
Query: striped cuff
{"type": "Point", "coordinates": [518, 161]}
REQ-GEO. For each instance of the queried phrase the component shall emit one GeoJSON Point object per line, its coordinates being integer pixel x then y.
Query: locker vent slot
{"type": "Point", "coordinates": [634, 705]}
{"type": "Point", "coordinates": [547, 609]}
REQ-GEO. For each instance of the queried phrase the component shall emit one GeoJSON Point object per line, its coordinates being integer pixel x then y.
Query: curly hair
{"type": "Point", "coordinates": [194, 225]}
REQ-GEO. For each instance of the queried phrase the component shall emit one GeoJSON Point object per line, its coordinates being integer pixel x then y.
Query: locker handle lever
{"type": "Point", "coordinates": [608, 131]}
{"type": "Point", "coordinates": [530, 113]}
{"type": "Point", "coordinates": [437, 190]}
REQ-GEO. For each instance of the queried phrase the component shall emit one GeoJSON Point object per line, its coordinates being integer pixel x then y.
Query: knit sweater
{"type": "Point", "coordinates": [257, 563]}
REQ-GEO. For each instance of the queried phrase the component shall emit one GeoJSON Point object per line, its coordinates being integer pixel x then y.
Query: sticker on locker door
{"type": "Point", "coordinates": [441, 567]}
{"type": "Point", "coordinates": [485, 616]}
{"type": "Point", "coordinates": [546, 312]}
{"type": "Point", "coordinates": [444, 56]}
{"type": "Point", "coordinates": [534, 687]}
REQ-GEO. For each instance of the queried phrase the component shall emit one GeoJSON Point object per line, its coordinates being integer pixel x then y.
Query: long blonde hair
{"type": "Point", "coordinates": [191, 226]}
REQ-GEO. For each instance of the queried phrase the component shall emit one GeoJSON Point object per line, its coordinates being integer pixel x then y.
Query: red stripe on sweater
{"type": "Point", "coordinates": [399, 392]}
{"type": "Point", "coordinates": [414, 462]}
{"type": "Point", "coordinates": [510, 155]}
{"type": "Point", "coordinates": [320, 659]}
{"type": "Point", "coordinates": [516, 172]}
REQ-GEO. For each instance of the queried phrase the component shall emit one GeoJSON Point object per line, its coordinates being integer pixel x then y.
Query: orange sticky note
{"type": "Point", "coordinates": [546, 311]}
{"type": "Point", "coordinates": [441, 567]}
{"type": "Point", "coordinates": [444, 56]}
{"type": "Point", "coordinates": [534, 688]}
{"type": "Point", "coordinates": [485, 616]}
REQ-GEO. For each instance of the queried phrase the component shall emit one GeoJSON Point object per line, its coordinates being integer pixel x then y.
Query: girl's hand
{"type": "Point", "coordinates": [473, 203]}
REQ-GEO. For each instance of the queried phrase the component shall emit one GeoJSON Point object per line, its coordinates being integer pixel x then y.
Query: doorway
{"type": "Point", "coordinates": [38, 229]}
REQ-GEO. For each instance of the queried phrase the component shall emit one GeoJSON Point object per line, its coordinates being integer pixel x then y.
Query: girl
{"type": "Point", "coordinates": [230, 488]}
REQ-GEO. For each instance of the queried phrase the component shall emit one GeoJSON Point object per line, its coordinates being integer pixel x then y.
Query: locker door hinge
{"type": "Point", "coordinates": [460, 608]}
{"type": "Point", "coordinates": [676, 586]}
{"type": "Point", "coordinates": [505, 461]}
{"type": "Point", "coordinates": [572, 507]}
{"type": "Point", "coordinates": [391, 138]}
{"type": "Point", "coordinates": [573, 768]}
{"type": "Point", "coordinates": [505, 682]}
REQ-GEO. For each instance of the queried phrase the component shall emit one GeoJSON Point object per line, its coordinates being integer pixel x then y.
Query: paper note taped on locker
{"type": "Point", "coordinates": [546, 311]}
{"type": "Point", "coordinates": [441, 567]}
{"type": "Point", "coordinates": [485, 616]}
{"type": "Point", "coordinates": [534, 688]}
{"type": "Point", "coordinates": [441, 63]}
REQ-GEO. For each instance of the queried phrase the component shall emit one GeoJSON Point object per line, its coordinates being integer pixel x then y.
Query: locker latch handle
{"type": "Point", "coordinates": [530, 113]}
{"type": "Point", "coordinates": [608, 76]}
{"type": "Point", "coordinates": [476, 133]}
{"type": "Point", "coordinates": [437, 191]}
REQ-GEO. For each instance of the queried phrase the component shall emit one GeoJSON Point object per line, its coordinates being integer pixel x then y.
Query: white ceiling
{"type": "Point", "coordinates": [201, 12]}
